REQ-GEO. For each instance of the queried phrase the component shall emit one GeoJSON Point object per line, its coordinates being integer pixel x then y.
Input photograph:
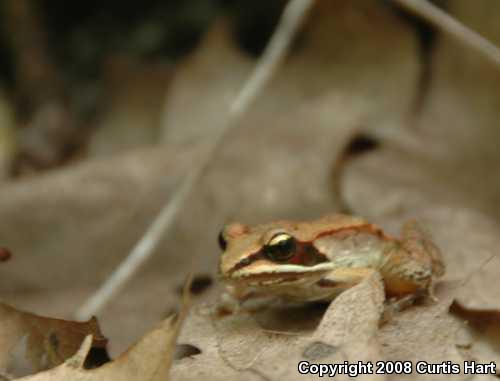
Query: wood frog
{"type": "Point", "coordinates": [305, 261]}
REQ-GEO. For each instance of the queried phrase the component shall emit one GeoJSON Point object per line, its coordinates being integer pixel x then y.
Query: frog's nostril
{"type": "Point", "coordinates": [245, 262]}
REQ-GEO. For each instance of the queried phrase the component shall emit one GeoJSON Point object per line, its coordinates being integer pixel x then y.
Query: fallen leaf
{"type": "Point", "coordinates": [482, 340]}
{"type": "Point", "coordinates": [200, 331]}
{"type": "Point", "coordinates": [31, 343]}
{"type": "Point", "coordinates": [205, 81]}
{"type": "Point", "coordinates": [449, 149]}
{"type": "Point", "coordinates": [354, 316]}
{"type": "Point", "coordinates": [239, 346]}
{"type": "Point", "coordinates": [147, 360]}
{"type": "Point", "coordinates": [441, 167]}
{"type": "Point", "coordinates": [132, 117]}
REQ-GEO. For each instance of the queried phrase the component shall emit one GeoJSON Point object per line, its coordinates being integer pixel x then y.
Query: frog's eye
{"type": "Point", "coordinates": [280, 247]}
{"type": "Point", "coordinates": [222, 241]}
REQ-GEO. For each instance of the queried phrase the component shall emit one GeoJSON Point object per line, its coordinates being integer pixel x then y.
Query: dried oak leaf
{"type": "Point", "coordinates": [481, 339]}
{"type": "Point", "coordinates": [239, 346]}
{"type": "Point", "coordinates": [148, 360]}
{"type": "Point", "coordinates": [347, 331]}
{"type": "Point", "coordinates": [134, 98]}
{"type": "Point", "coordinates": [199, 331]}
{"type": "Point", "coordinates": [445, 165]}
{"type": "Point", "coordinates": [30, 343]}
{"type": "Point", "coordinates": [447, 155]}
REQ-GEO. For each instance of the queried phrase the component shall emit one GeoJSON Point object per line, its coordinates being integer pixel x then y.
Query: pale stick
{"type": "Point", "coordinates": [448, 24]}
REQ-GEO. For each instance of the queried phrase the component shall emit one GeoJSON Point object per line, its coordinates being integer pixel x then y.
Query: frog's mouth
{"type": "Point", "coordinates": [280, 274]}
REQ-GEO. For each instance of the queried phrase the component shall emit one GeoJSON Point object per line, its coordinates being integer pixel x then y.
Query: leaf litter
{"type": "Point", "coordinates": [408, 182]}
{"type": "Point", "coordinates": [412, 173]}
{"type": "Point", "coordinates": [148, 360]}
{"type": "Point", "coordinates": [440, 171]}
{"type": "Point", "coordinates": [32, 343]}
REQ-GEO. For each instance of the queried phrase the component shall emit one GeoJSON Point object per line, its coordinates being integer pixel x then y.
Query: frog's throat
{"type": "Point", "coordinates": [284, 269]}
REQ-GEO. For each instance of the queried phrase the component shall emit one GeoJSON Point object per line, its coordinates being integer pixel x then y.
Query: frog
{"type": "Point", "coordinates": [316, 260]}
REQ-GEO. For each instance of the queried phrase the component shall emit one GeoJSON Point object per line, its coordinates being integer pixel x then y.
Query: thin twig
{"type": "Point", "coordinates": [448, 24]}
{"type": "Point", "coordinates": [481, 266]}
{"type": "Point", "coordinates": [291, 19]}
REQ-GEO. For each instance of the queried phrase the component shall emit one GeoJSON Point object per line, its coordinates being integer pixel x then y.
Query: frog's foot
{"type": "Point", "coordinates": [395, 305]}
{"type": "Point", "coordinates": [226, 305]}
{"type": "Point", "coordinates": [429, 293]}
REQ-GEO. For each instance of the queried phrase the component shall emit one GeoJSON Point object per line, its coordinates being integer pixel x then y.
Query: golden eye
{"type": "Point", "coordinates": [280, 247]}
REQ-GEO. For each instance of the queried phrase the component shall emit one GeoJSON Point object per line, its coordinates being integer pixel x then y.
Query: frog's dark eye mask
{"type": "Point", "coordinates": [284, 249]}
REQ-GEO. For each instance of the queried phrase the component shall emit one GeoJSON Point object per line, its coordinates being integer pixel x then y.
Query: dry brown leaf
{"type": "Point", "coordinates": [260, 346]}
{"type": "Point", "coordinates": [200, 332]}
{"type": "Point", "coordinates": [423, 333]}
{"type": "Point", "coordinates": [448, 156]}
{"type": "Point", "coordinates": [354, 316]}
{"type": "Point", "coordinates": [31, 343]}
{"type": "Point", "coordinates": [206, 81]}
{"type": "Point", "coordinates": [134, 98]}
{"type": "Point", "coordinates": [88, 217]}
{"type": "Point", "coordinates": [443, 171]}
{"type": "Point", "coordinates": [481, 339]}
{"type": "Point", "coordinates": [148, 360]}
{"type": "Point", "coordinates": [347, 331]}
{"type": "Point", "coordinates": [349, 328]}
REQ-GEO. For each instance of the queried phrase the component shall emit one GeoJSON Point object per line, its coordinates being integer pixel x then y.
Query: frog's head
{"type": "Point", "coordinates": [281, 252]}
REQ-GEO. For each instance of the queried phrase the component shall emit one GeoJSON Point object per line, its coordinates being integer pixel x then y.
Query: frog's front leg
{"type": "Point", "coordinates": [235, 300]}
{"type": "Point", "coordinates": [231, 299]}
{"type": "Point", "coordinates": [341, 279]}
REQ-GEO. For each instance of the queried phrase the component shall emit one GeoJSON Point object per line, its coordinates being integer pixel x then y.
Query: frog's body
{"type": "Point", "coordinates": [315, 260]}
